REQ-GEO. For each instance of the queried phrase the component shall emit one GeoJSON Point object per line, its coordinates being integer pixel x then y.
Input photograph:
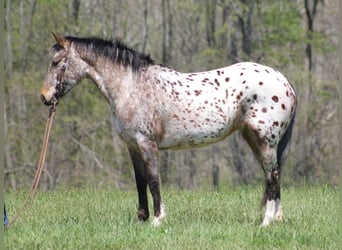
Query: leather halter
{"type": "Point", "coordinates": [60, 82]}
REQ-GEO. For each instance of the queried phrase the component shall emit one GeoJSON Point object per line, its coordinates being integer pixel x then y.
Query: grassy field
{"type": "Point", "coordinates": [228, 219]}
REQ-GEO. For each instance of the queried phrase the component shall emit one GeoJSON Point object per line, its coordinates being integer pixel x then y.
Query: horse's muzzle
{"type": "Point", "coordinates": [48, 103]}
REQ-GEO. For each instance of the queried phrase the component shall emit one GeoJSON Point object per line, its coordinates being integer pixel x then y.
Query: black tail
{"type": "Point", "coordinates": [284, 144]}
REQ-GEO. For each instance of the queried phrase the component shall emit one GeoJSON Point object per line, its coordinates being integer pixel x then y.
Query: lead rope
{"type": "Point", "coordinates": [33, 190]}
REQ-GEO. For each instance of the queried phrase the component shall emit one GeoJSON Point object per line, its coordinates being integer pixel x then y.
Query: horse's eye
{"type": "Point", "coordinates": [55, 63]}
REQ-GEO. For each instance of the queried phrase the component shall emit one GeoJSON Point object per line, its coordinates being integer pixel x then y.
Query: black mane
{"type": "Point", "coordinates": [115, 50]}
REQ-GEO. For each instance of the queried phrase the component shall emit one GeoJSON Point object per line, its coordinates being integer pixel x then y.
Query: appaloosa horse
{"type": "Point", "coordinates": [157, 108]}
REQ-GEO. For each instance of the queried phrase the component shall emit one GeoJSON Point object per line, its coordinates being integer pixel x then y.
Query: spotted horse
{"type": "Point", "coordinates": [157, 108]}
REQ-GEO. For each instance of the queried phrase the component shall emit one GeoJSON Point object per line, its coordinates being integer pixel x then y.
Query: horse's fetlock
{"type": "Point", "coordinates": [142, 215]}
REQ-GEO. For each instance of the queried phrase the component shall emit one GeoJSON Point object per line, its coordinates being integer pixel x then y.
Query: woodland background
{"type": "Point", "coordinates": [297, 37]}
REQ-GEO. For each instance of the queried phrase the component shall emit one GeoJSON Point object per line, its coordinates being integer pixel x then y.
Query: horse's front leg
{"type": "Point", "coordinates": [141, 181]}
{"type": "Point", "coordinates": [149, 153]}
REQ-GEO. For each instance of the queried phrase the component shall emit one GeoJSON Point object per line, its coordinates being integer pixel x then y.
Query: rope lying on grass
{"type": "Point", "coordinates": [33, 190]}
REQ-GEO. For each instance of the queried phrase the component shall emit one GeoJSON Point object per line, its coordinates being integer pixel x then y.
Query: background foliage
{"type": "Point", "coordinates": [299, 38]}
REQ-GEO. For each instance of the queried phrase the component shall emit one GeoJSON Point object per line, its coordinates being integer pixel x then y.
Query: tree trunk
{"type": "Point", "coordinates": [210, 22]}
{"type": "Point", "coordinates": [308, 148]}
{"type": "Point", "coordinates": [166, 32]}
{"type": "Point", "coordinates": [310, 11]}
{"type": "Point", "coordinates": [164, 167]}
{"type": "Point", "coordinates": [193, 170]}
{"type": "Point", "coordinates": [25, 31]}
{"type": "Point", "coordinates": [216, 168]}
{"type": "Point", "coordinates": [145, 26]}
{"type": "Point", "coordinates": [170, 32]}
{"type": "Point", "coordinates": [245, 24]}
{"type": "Point", "coordinates": [103, 18]}
{"type": "Point", "coordinates": [8, 51]}
{"type": "Point", "coordinates": [75, 10]}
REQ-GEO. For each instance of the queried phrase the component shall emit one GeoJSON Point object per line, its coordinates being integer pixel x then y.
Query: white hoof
{"type": "Point", "coordinates": [273, 212]}
{"type": "Point", "coordinates": [157, 220]}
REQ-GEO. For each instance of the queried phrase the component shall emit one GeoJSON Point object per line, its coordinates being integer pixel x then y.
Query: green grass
{"type": "Point", "coordinates": [229, 219]}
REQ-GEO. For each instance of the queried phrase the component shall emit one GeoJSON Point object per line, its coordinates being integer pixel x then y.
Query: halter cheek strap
{"type": "Point", "coordinates": [60, 79]}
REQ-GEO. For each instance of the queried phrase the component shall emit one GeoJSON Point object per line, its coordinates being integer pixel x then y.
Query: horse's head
{"type": "Point", "coordinates": [65, 71]}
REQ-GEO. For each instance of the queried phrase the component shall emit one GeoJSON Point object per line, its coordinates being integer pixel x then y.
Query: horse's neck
{"type": "Point", "coordinates": [98, 79]}
{"type": "Point", "coordinates": [111, 79]}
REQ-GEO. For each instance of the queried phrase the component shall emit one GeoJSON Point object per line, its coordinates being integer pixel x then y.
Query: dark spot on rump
{"type": "Point", "coordinates": [261, 83]}
{"type": "Point", "coordinates": [244, 81]}
{"type": "Point", "coordinates": [283, 106]}
{"type": "Point", "coordinates": [264, 110]}
{"type": "Point", "coordinates": [227, 79]}
{"type": "Point", "coordinates": [241, 73]}
{"type": "Point", "coordinates": [267, 71]}
{"type": "Point", "coordinates": [256, 70]}
{"type": "Point", "coordinates": [276, 123]}
{"type": "Point", "coordinates": [175, 116]}
{"type": "Point", "coordinates": [255, 97]}
{"type": "Point", "coordinates": [226, 93]}
{"type": "Point", "coordinates": [275, 98]}
{"type": "Point", "coordinates": [261, 122]}
{"type": "Point", "coordinates": [218, 72]}
{"type": "Point", "coordinates": [197, 92]}
{"type": "Point", "coordinates": [217, 82]}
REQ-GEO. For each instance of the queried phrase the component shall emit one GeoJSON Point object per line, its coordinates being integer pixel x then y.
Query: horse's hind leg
{"type": "Point", "coordinates": [272, 190]}
{"type": "Point", "coordinates": [141, 182]}
{"type": "Point", "coordinates": [266, 154]}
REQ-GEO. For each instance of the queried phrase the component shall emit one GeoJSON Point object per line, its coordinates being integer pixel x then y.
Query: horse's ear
{"type": "Point", "coordinates": [60, 40]}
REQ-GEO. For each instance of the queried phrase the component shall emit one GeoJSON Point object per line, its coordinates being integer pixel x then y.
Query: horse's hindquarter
{"type": "Point", "coordinates": [200, 108]}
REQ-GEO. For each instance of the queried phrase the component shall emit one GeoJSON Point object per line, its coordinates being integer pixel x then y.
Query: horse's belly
{"type": "Point", "coordinates": [195, 137]}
